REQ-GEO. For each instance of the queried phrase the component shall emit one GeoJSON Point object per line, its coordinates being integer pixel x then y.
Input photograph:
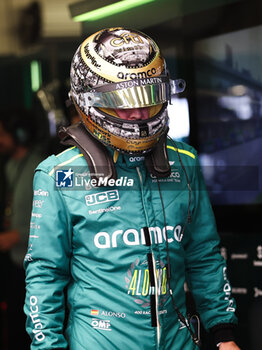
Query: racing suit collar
{"type": "Point", "coordinates": [130, 161]}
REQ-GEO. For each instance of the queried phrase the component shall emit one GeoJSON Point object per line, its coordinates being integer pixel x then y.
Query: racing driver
{"type": "Point", "coordinates": [121, 220]}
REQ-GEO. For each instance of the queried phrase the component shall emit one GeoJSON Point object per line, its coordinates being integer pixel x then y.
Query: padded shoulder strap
{"type": "Point", "coordinates": [96, 154]}
{"type": "Point", "coordinates": [157, 161]}
{"type": "Point", "coordinates": [99, 159]}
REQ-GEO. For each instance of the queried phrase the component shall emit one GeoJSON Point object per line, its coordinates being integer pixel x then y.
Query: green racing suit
{"type": "Point", "coordinates": [91, 242]}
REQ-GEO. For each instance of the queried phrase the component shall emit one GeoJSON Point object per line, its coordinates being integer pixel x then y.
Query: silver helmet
{"type": "Point", "coordinates": [119, 68]}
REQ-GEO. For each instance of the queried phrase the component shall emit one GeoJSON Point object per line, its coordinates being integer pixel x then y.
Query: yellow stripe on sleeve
{"type": "Point", "coordinates": [65, 163]}
{"type": "Point", "coordinates": [190, 154]}
{"type": "Point", "coordinates": [66, 150]}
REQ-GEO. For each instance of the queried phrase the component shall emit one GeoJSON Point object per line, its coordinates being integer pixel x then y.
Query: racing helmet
{"type": "Point", "coordinates": [119, 68]}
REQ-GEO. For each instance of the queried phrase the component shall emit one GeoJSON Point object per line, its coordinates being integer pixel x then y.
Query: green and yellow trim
{"type": "Point", "coordinates": [183, 151]}
{"type": "Point", "coordinates": [65, 163]}
{"type": "Point", "coordinates": [66, 150]}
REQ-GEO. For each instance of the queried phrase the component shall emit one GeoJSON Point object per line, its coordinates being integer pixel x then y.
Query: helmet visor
{"type": "Point", "coordinates": [134, 93]}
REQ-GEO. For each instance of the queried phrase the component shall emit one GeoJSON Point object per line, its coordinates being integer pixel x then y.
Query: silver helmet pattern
{"type": "Point", "coordinates": [119, 68]}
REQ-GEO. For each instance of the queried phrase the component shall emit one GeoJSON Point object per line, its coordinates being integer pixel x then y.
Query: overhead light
{"type": "Point", "coordinates": [36, 75]}
{"type": "Point", "coordinates": [109, 10]}
{"type": "Point", "coordinates": [238, 90]}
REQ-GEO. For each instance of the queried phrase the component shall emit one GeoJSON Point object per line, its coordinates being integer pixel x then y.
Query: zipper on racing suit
{"type": "Point", "coordinates": [151, 267]}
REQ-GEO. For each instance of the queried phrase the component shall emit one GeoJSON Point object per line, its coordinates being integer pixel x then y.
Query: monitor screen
{"type": "Point", "coordinates": [228, 75]}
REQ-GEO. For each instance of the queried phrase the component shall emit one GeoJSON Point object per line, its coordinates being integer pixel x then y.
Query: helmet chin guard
{"type": "Point", "coordinates": [126, 136]}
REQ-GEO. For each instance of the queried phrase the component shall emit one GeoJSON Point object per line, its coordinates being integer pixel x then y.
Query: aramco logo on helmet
{"type": "Point", "coordinates": [139, 75]}
{"type": "Point", "coordinates": [133, 237]}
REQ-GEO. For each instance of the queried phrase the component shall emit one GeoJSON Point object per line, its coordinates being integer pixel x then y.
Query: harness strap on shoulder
{"type": "Point", "coordinates": [157, 160]}
{"type": "Point", "coordinates": [98, 158]}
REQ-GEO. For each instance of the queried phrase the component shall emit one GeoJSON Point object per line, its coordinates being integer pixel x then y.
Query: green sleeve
{"type": "Point", "coordinates": [47, 265]}
{"type": "Point", "coordinates": [205, 268]}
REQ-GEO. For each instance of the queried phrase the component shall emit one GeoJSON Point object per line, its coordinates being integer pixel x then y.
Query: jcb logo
{"type": "Point", "coordinates": [126, 38]}
{"type": "Point", "coordinates": [102, 197]}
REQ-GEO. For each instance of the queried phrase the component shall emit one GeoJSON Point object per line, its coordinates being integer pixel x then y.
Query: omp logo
{"type": "Point", "coordinates": [102, 197]}
{"type": "Point", "coordinates": [132, 237]}
{"type": "Point", "coordinates": [103, 325]}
